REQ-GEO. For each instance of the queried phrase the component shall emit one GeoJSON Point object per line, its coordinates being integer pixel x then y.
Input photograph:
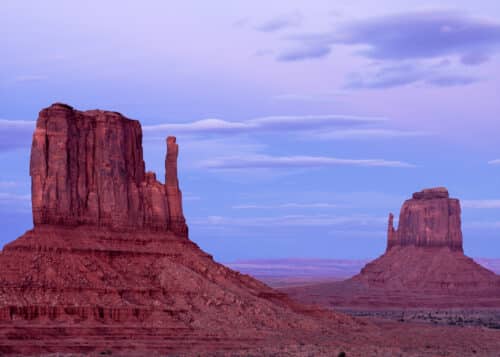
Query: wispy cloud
{"type": "Point", "coordinates": [265, 161]}
{"type": "Point", "coordinates": [264, 52]}
{"type": "Point", "coordinates": [406, 74]}
{"type": "Point", "coordinates": [291, 221]}
{"type": "Point", "coordinates": [17, 124]}
{"type": "Point", "coordinates": [402, 43]}
{"type": "Point", "coordinates": [367, 134]}
{"type": "Point", "coordinates": [15, 133]}
{"type": "Point", "coordinates": [286, 205]}
{"type": "Point", "coordinates": [494, 162]}
{"type": "Point", "coordinates": [410, 35]}
{"type": "Point", "coordinates": [482, 224]}
{"type": "Point", "coordinates": [474, 59]}
{"type": "Point", "coordinates": [311, 97]}
{"type": "Point", "coordinates": [196, 149]}
{"type": "Point", "coordinates": [423, 34]}
{"type": "Point", "coordinates": [281, 22]}
{"type": "Point", "coordinates": [241, 22]}
{"type": "Point", "coordinates": [9, 184]}
{"type": "Point", "coordinates": [481, 204]}
{"type": "Point", "coordinates": [451, 80]}
{"type": "Point", "coordinates": [10, 197]}
{"type": "Point", "coordinates": [306, 51]}
{"type": "Point", "coordinates": [30, 78]}
{"type": "Point", "coordinates": [13, 202]}
{"type": "Point", "coordinates": [264, 124]}
{"type": "Point", "coordinates": [357, 233]}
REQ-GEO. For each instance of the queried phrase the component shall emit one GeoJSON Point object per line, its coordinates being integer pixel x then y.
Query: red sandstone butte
{"type": "Point", "coordinates": [430, 219]}
{"type": "Point", "coordinates": [87, 168]}
{"type": "Point", "coordinates": [109, 265]}
{"type": "Point", "coordinates": [423, 266]}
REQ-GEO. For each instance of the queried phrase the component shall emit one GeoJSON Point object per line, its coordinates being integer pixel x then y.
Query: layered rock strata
{"type": "Point", "coordinates": [429, 219]}
{"type": "Point", "coordinates": [87, 168]}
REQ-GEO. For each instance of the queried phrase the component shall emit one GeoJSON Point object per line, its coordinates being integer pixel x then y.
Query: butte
{"type": "Point", "coordinates": [424, 265]}
{"type": "Point", "coordinates": [109, 266]}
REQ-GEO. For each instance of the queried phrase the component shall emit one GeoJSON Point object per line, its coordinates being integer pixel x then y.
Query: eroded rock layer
{"type": "Point", "coordinates": [87, 168]}
{"type": "Point", "coordinates": [429, 219]}
{"type": "Point", "coordinates": [99, 288]}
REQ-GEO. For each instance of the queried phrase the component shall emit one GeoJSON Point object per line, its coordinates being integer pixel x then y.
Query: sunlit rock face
{"type": "Point", "coordinates": [429, 219]}
{"type": "Point", "coordinates": [87, 168]}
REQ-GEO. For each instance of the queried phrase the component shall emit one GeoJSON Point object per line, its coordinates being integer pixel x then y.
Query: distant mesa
{"type": "Point", "coordinates": [430, 219]}
{"type": "Point", "coordinates": [423, 265]}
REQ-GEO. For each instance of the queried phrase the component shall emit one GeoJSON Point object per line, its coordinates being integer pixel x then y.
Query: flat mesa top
{"type": "Point", "coordinates": [62, 110]}
{"type": "Point", "coordinates": [62, 105]}
{"type": "Point", "coordinates": [431, 193]}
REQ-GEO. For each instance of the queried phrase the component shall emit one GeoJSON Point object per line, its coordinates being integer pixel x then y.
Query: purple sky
{"type": "Point", "coordinates": [300, 126]}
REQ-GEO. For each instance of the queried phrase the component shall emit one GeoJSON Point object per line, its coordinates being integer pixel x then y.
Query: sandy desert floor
{"type": "Point", "coordinates": [394, 339]}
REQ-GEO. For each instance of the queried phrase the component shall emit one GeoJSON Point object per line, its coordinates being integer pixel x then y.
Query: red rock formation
{"type": "Point", "coordinates": [87, 168]}
{"type": "Point", "coordinates": [391, 232]}
{"type": "Point", "coordinates": [176, 217]}
{"type": "Point", "coordinates": [429, 219]}
{"type": "Point", "coordinates": [423, 266]}
{"type": "Point", "coordinates": [108, 268]}
{"type": "Point", "coordinates": [108, 264]}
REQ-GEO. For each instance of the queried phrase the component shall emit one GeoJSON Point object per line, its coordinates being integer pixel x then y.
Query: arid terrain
{"type": "Point", "coordinates": [304, 274]}
{"type": "Point", "coordinates": [109, 269]}
{"type": "Point", "coordinates": [280, 273]}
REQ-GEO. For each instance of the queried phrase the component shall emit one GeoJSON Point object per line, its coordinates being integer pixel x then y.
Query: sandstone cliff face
{"type": "Point", "coordinates": [87, 168]}
{"type": "Point", "coordinates": [429, 219]}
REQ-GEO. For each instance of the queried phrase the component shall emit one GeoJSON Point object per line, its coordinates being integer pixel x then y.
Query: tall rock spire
{"type": "Point", "coordinates": [429, 219]}
{"type": "Point", "coordinates": [174, 194]}
{"type": "Point", "coordinates": [391, 232]}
